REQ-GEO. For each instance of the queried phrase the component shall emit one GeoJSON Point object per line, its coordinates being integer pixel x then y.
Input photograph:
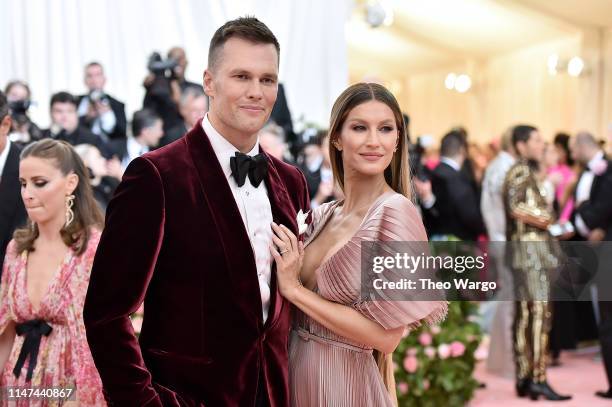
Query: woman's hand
{"type": "Point", "coordinates": [288, 254]}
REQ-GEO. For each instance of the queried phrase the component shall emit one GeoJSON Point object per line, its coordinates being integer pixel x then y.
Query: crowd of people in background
{"type": "Point", "coordinates": [462, 189]}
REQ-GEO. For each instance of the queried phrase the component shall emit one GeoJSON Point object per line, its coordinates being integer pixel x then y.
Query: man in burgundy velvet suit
{"type": "Point", "coordinates": [188, 233]}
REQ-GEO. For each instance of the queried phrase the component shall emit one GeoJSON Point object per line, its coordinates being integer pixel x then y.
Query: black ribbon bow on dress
{"type": "Point", "coordinates": [33, 331]}
{"type": "Point", "coordinates": [255, 167]}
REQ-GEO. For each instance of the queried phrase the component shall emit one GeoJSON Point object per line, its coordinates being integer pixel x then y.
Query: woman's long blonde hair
{"type": "Point", "coordinates": [397, 174]}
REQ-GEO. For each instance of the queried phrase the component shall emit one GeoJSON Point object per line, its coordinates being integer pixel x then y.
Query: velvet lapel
{"type": "Point", "coordinates": [230, 227]}
{"type": "Point", "coordinates": [283, 213]}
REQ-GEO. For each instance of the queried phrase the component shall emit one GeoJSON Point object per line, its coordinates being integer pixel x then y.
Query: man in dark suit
{"type": "Point", "coordinates": [12, 211]}
{"type": "Point", "coordinates": [98, 111]}
{"type": "Point", "coordinates": [177, 235]}
{"type": "Point", "coordinates": [593, 221]}
{"type": "Point", "coordinates": [453, 208]}
{"type": "Point", "coordinates": [65, 124]}
{"type": "Point", "coordinates": [147, 130]}
{"type": "Point", "coordinates": [192, 106]}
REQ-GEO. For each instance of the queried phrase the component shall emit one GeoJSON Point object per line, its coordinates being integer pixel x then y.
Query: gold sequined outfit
{"type": "Point", "coordinates": [532, 255]}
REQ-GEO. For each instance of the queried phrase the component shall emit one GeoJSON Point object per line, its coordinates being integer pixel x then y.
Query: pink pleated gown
{"type": "Point", "coordinates": [326, 369]}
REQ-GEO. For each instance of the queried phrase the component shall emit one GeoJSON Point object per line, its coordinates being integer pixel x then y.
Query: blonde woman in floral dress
{"type": "Point", "coordinates": [44, 282]}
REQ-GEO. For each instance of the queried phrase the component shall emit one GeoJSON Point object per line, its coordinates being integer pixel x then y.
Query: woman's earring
{"type": "Point", "coordinates": [69, 211]}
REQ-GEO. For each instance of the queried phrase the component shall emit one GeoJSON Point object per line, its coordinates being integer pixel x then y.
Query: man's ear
{"type": "Point", "coordinates": [5, 125]}
{"type": "Point", "coordinates": [209, 86]}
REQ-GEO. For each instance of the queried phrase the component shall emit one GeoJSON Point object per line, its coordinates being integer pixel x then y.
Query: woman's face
{"type": "Point", "coordinates": [368, 139]}
{"type": "Point", "coordinates": [44, 189]}
{"type": "Point", "coordinates": [561, 154]}
{"type": "Point", "coordinates": [551, 158]}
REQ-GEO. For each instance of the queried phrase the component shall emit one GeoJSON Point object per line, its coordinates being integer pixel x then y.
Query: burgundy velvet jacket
{"type": "Point", "coordinates": [174, 238]}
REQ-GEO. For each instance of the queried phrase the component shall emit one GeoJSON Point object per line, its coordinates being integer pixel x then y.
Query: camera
{"type": "Point", "coordinates": [98, 96]}
{"type": "Point", "coordinates": [161, 67]}
{"type": "Point", "coordinates": [19, 111]}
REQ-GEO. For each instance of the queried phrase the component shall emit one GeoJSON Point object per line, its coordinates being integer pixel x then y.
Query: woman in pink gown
{"type": "Point", "coordinates": [341, 344]}
{"type": "Point", "coordinates": [45, 279]}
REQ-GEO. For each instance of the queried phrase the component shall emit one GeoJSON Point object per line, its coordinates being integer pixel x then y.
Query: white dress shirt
{"type": "Point", "coordinates": [254, 207]}
{"type": "Point", "coordinates": [583, 191]}
{"type": "Point", "coordinates": [4, 156]}
{"type": "Point", "coordinates": [134, 150]}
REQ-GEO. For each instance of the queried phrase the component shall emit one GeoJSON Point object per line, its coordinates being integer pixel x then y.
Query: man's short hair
{"type": "Point", "coordinates": [191, 92]}
{"type": "Point", "coordinates": [17, 82]}
{"type": "Point", "coordinates": [143, 119]}
{"type": "Point", "coordinates": [246, 28]}
{"type": "Point", "coordinates": [63, 97]}
{"type": "Point", "coordinates": [453, 143]}
{"type": "Point", "coordinates": [587, 139]}
{"type": "Point", "coordinates": [4, 107]}
{"type": "Point", "coordinates": [521, 134]}
{"type": "Point", "coordinates": [94, 63]}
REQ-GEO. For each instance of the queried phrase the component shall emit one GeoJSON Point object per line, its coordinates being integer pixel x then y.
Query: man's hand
{"type": "Point", "coordinates": [597, 235]}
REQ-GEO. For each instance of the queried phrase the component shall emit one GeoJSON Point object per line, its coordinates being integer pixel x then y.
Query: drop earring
{"type": "Point", "coordinates": [69, 211]}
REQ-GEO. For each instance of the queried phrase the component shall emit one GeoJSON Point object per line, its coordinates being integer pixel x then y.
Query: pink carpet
{"type": "Point", "coordinates": [580, 374]}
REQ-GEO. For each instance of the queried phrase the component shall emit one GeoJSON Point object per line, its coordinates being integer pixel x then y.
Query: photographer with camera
{"type": "Point", "coordinates": [23, 130]}
{"type": "Point", "coordinates": [164, 85]}
{"type": "Point", "coordinates": [98, 111]}
{"type": "Point", "coordinates": [65, 124]}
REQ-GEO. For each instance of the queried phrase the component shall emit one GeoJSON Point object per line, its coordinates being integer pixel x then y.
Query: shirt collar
{"type": "Point", "coordinates": [224, 150]}
{"type": "Point", "coordinates": [597, 157]}
{"type": "Point", "coordinates": [134, 148]}
{"type": "Point", "coordinates": [4, 155]}
{"type": "Point", "coordinates": [451, 163]}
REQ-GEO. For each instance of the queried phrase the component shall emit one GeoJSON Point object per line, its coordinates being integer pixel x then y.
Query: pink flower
{"type": "Point", "coordinates": [599, 167]}
{"type": "Point", "coordinates": [411, 364]}
{"type": "Point", "coordinates": [457, 348]}
{"type": "Point", "coordinates": [430, 352]}
{"type": "Point", "coordinates": [402, 387]}
{"type": "Point", "coordinates": [444, 351]}
{"type": "Point", "coordinates": [425, 384]}
{"type": "Point", "coordinates": [435, 329]}
{"type": "Point", "coordinates": [425, 339]}
{"type": "Point", "coordinates": [411, 351]}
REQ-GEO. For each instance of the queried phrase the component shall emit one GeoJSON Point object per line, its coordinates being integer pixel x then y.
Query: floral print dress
{"type": "Point", "coordinates": [64, 359]}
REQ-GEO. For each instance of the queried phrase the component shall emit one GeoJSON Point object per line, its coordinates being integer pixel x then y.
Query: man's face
{"type": "Point", "coordinates": [533, 148]}
{"type": "Point", "coordinates": [94, 78]}
{"type": "Point", "coordinates": [65, 116]}
{"type": "Point", "coordinates": [152, 135]}
{"type": "Point", "coordinates": [179, 55]}
{"type": "Point", "coordinates": [193, 109]}
{"type": "Point", "coordinates": [242, 87]}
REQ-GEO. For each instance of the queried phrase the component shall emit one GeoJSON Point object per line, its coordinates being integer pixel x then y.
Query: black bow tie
{"type": "Point", "coordinates": [255, 167]}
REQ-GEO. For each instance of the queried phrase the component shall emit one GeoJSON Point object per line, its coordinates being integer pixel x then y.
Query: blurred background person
{"type": "Point", "coordinates": [19, 97]}
{"type": "Point", "coordinates": [494, 216]}
{"type": "Point", "coordinates": [12, 211]}
{"type": "Point", "coordinates": [193, 106]}
{"type": "Point", "coordinates": [164, 85]}
{"type": "Point", "coordinates": [563, 176]}
{"type": "Point", "coordinates": [272, 141]}
{"type": "Point", "coordinates": [316, 166]}
{"type": "Point", "coordinates": [454, 199]}
{"type": "Point", "coordinates": [65, 124]}
{"type": "Point", "coordinates": [593, 221]}
{"type": "Point", "coordinates": [98, 111]}
{"type": "Point", "coordinates": [528, 216]}
{"type": "Point", "coordinates": [102, 181]}
{"type": "Point", "coordinates": [46, 276]}
{"type": "Point", "coordinates": [147, 130]}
